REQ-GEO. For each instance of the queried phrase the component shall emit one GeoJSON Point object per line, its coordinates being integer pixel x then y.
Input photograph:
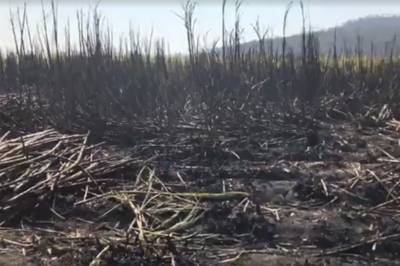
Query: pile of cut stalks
{"type": "Point", "coordinates": [50, 180]}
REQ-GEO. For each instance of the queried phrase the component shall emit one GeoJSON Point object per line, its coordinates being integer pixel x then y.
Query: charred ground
{"type": "Point", "coordinates": [130, 156]}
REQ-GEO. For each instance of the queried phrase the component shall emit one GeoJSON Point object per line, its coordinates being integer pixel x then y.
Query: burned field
{"type": "Point", "coordinates": [130, 156]}
{"type": "Point", "coordinates": [251, 195]}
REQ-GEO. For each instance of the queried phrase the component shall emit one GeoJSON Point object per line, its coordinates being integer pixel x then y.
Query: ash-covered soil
{"type": "Point", "coordinates": [322, 194]}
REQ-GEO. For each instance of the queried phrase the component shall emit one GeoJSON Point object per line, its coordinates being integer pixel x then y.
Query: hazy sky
{"type": "Point", "coordinates": [161, 16]}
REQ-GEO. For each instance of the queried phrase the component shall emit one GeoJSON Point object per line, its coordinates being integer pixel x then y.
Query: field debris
{"type": "Point", "coordinates": [61, 194]}
{"type": "Point", "coordinates": [54, 179]}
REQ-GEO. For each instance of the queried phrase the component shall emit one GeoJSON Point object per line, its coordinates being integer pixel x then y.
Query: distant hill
{"type": "Point", "coordinates": [382, 31]}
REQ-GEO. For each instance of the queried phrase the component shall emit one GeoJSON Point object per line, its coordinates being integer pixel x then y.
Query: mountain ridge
{"type": "Point", "coordinates": [382, 31]}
